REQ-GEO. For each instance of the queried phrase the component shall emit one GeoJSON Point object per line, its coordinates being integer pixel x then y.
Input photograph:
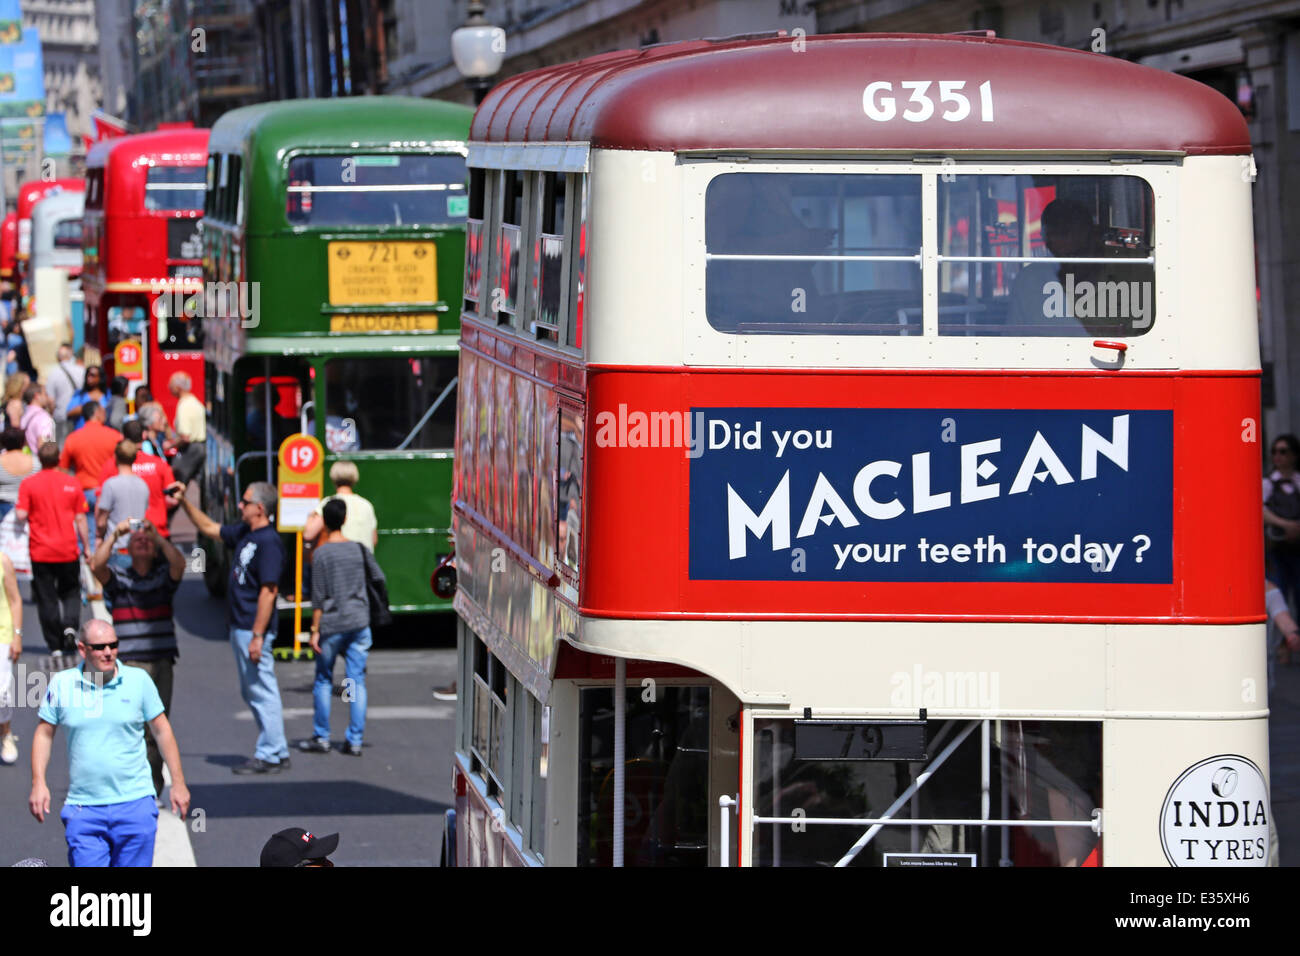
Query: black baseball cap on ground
{"type": "Point", "coordinates": [294, 846]}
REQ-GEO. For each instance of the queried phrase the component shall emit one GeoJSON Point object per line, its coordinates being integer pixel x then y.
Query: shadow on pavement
{"type": "Point", "coordinates": [307, 798]}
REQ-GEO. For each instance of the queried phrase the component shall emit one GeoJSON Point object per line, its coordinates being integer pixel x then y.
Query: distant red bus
{"type": "Point", "coordinates": [142, 255]}
{"type": "Point", "coordinates": [8, 246]}
{"type": "Point", "coordinates": [29, 194]}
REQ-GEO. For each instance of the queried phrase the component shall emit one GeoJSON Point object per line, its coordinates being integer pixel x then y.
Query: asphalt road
{"type": "Point", "coordinates": [387, 805]}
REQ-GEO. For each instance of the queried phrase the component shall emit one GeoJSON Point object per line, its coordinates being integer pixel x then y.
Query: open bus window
{"type": "Point", "coordinates": [175, 188]}
{"type": "Point", "coordinates": [1040, 770]}
{"type": "Point", "coordinates": [805, 253]}
{"type": "Point", "coordinates": [67, 234]}
{"type": "Point", "coordinates": [399, 403]}
{"type": "Point", "coordinates": [1098, 228]}
{"type": "Point", "coordinates": [376, 190]}
{"type": "Point", "coordinates": [666, 779]}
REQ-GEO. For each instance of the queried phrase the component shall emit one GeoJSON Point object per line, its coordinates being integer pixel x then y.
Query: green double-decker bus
{"type": "Point", "coordinates": [333, 249]}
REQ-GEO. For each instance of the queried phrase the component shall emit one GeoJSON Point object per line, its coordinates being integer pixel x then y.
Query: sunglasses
{"type": "Point", "coordinates": [102, 647]}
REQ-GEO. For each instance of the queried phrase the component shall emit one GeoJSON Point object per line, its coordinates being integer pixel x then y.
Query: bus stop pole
{"type": "Point", "coordinates": [297, 594]}
{"type": "Point", "coordinates": [266, 416]}
{"type": "Point", "coordinates": [620, 776]}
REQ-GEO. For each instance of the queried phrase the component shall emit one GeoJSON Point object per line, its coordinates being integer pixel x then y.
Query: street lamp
{"type": "Point", "coordinates": [478, 49]}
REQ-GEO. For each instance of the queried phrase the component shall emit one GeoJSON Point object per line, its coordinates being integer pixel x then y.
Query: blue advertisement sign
{"type": "Point", "coordinates": [56, 141]}
{"type": "Point", "coordinates": [11, 21]}
{"type": "Point", "coordinates": [22, 76]}
{"type": "Point", "coordinates": [996, 495]}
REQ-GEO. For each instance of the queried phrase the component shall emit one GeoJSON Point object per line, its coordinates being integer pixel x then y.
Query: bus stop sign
{"type": "Point", "coordinates": [301, 474]}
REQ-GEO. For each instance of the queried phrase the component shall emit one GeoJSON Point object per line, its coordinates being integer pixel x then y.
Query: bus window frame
{"type": "Point", "coordinates": [706, 345]}
{"type": "Point", "coordinates": [522, 322]}
{"type": "Point", "coordinates": [439, 148]}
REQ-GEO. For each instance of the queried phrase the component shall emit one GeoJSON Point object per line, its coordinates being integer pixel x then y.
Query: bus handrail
{"type": "Point", "coordinates": [239, 492]}
{"type": "Point", "coordinates": [424, 418]}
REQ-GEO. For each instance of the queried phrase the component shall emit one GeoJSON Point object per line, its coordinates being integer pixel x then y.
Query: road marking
{"type": "Point", "coordinates": [446, 712]}
{"type": "Point", "coordinates": [171, 845]}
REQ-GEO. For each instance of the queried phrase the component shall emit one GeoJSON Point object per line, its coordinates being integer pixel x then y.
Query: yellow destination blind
{"type": "Point", "coordinates": [388, 322]}
{"type": "Point", "coordinates": [379, 273]}
{"type": "Point", "coordinates": [301, 475]}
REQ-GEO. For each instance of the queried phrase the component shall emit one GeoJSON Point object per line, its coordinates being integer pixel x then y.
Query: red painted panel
{"type": "Point", "coordinates": [637, 530]}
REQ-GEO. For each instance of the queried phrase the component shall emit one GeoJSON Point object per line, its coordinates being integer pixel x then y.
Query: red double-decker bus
{"type": "Point", "coordinates": [8, 246]}
{"type": "Point", "coordinates": [143, 256]}
{"type": "Point", "coordinates": [29, 194]}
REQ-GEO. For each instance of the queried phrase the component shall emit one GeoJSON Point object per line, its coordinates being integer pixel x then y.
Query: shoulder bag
{"type": "Point", "coordinates": [376, 592]}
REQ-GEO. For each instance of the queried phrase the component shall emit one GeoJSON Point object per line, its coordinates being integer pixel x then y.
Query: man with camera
{"type": "Point", "coordinates": [123, 496]}
{"type": "Point", "coordinates": [140, 594]}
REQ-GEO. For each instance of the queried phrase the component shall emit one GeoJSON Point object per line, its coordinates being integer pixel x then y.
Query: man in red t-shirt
{"type": "Point", "coordinates": [53, 504]}
{"type": "Point", "coordinates": [155, 472]}
{"type": "Point", "coordinates": [86, 450]}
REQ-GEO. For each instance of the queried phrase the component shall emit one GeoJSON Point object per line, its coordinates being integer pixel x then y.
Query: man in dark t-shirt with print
{"type": "Point", "coordinates": [256, 560]}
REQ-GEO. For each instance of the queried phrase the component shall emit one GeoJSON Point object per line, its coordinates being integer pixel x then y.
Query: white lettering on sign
{"type": "Point", "coordinates": [879, 104]}
{"type": "Point", "coordinates": [881, 503]}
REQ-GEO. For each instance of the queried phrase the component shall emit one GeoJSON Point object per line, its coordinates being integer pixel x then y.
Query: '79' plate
{"type": "Point", "coordinates": [380, 273]}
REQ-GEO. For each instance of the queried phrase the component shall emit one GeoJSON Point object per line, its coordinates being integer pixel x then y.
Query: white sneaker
{"type": "Point", "coordinates": [9, 750]}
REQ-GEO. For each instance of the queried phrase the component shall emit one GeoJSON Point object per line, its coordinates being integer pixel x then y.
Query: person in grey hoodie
{"type": "Point", "coordinates": [340, 625]}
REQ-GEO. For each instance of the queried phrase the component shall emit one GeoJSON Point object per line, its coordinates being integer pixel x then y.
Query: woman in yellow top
{"type": "Point", "coordinates": [11, 645]}
{"type": "Point", "coordinates": [361, 525]}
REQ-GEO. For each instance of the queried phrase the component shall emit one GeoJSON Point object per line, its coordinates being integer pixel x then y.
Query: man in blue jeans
{"type": "Point", "coordinates": [340, 624]}
{"type": "Point", "coordinates": [257, 558]}
{"type": "Point", "coordinates": [110, 815]}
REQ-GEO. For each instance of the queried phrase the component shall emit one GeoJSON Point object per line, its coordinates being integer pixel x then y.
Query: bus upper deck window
{"type": "Point", "coordinates": [67, 234]}
{"type": "Point", "coordinates": [1093, 233]}
{"type": "Point", "coordinates": [799, 253]}
{"type": "Point", "coordinates": [175, 188]}
{"type": "Point", "coordinates": [386, 189]}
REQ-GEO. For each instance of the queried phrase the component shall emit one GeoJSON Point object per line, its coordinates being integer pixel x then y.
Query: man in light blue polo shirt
{"type": "Point", "coordinates": [110, 816]}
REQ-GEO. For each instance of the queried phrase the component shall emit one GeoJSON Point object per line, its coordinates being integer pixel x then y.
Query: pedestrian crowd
{"type": "Point", "coordinates": [87, 484]}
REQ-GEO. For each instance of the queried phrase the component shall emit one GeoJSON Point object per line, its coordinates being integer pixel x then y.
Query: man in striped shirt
{"type": "Point", "coordinates": [141, 598]}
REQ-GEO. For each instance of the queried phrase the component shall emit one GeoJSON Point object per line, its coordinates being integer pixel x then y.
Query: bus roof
{"type": "Point", "coordinates": [59, 206]}
{"type": "Point", "coordinates": [183, 147]}
{"type": "Point", "coordinates": [29, 194]}
{"type": "Point", "coordinates": [345, 122]}
{"type": "Point", "coordinates": [802, 93]}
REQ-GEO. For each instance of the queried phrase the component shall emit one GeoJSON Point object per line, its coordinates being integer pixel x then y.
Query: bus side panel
{"type": "Point", "coordinates": [639, 529]}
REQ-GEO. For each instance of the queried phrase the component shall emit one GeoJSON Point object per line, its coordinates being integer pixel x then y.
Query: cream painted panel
{"type": "Point", "coordinates": [1216, 267]}
{"type": "Point", "coordinates": [1141, 761]}
{"type": "Point", "coordinates": [634, 274]}
{"type": "Point", "coordinates": [1182, 668]}
{"type": "Point", "coordinates": [895, 668]}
